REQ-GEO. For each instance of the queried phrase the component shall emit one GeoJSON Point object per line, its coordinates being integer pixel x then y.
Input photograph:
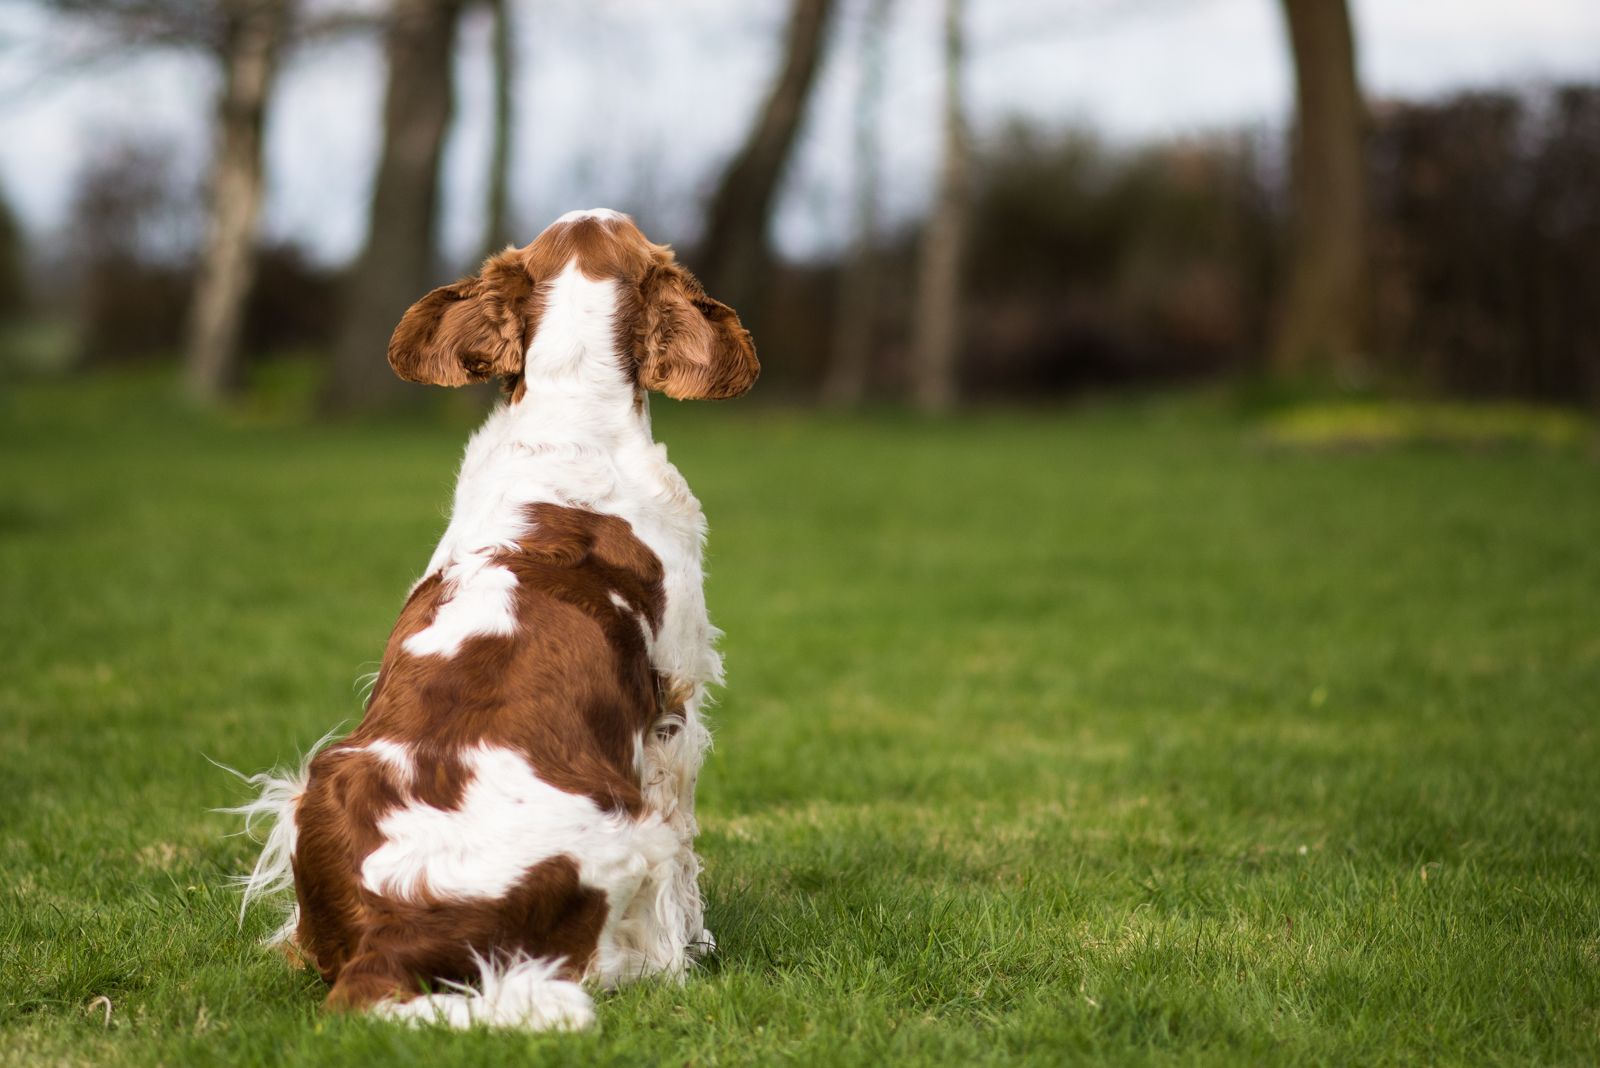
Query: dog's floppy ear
{"type": "Point", "coordinates": [689, 346]}
{"type": "Point", "coordinates": [467, 331]}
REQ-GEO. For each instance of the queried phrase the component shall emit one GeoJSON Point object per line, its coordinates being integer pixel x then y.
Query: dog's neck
{"type": "Point", "coordinates": [575, 389]}
{"type": "Point", "coordinates": [575, 434]}
{"type": "Point", "coordinates": [579, 436]}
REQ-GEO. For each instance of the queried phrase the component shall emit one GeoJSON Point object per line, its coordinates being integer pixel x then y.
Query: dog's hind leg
{"type": "Point", "coordinates": [525, 951]}
{"type": "Point", "coordinates": [367, 979]}
{"type": "Point", "coordinates": [515, 991]}
{"type": "Point", "coordinates": [673, 752]}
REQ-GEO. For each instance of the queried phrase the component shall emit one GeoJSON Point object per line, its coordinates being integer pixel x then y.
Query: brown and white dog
{"type": "Point", "coordinates": [516, 808]}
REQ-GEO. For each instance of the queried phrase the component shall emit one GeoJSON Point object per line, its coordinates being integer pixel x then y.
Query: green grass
{"type": "Point", "coordinates": [1092, 737]}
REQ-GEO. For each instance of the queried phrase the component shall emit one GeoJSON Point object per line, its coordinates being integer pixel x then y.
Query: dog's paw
{"type": "Point", "coordinates": [702, 947]}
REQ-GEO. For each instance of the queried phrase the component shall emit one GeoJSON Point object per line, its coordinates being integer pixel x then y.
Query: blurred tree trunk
{"type": "Point", "coordinates": [396, 266]}
{"type": "Point", "coordinates": [936, 329]}
{"type": "Point", "coordinates": [497, 221]}
{"type": "Point", "coordinates": [846, 381]}
{"type": "Point", "coordinates": [1321, 322]}
{"type": "Point", "coordinates": [734, 251]}
{"type": "Point", "coordinates": [253, 33]}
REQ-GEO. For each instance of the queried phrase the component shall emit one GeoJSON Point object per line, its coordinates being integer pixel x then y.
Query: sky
{"type": "Point", "coordinates": [638, 103]}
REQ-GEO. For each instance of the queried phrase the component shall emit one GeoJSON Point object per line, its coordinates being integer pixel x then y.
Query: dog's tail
{"type": "Point", "coordinates": [278, 795]}
{"type": "Point", "coordinates": [518, 992]}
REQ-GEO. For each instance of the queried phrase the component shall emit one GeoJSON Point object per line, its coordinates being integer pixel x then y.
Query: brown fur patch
{"type": "Point", "coordinates": [470, 330]}
{"type": "Point", "coordinates": [687, 345]}
{"type": "Point", "coordinates": [569, 691]}
{"type": "Point", "coordinates": [547, 912]}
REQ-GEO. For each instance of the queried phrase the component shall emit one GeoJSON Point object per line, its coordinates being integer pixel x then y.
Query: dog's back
{"type": "Point", "coordinates": [492, 802]}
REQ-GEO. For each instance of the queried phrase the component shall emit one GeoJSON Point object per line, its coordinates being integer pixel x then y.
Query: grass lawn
{"type": "Point", "coordinates": [1094, 737]}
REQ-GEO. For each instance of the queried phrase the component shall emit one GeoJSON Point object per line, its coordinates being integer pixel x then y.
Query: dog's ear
{"type": "Point", "coordinates": [689, 346]}
{"type": "Point", "coordinates": [468, 331]}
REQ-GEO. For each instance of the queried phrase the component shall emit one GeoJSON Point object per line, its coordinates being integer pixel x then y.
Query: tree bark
{"type": "Point", "coordinates": [734, 252]}
{"type": "Point", "coordinates": [936, 330]}
{"type": "Point", "coordinates": [497, 221]}
{"type": "Point", "coordinates": [1321, 322]}
{"type": "Point", "coordinates": [254, 31]}
{"type": "Point", "coordinates": [396, 266]}
{"type": "Point", "coordinates": [846, 382]}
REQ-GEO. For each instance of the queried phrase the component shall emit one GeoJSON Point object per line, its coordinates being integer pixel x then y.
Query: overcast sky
{"type": "Point", "coordinates": [635, 103]}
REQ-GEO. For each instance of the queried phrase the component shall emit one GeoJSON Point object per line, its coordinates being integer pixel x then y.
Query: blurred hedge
{"type": "Point", "coordinates": [1094, 265]}
{"type": "Point", "coordinates": [1487, 244]}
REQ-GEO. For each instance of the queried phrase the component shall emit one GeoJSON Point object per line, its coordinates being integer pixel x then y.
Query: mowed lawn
{"type": "Point", "coordinates": [1100, 736]}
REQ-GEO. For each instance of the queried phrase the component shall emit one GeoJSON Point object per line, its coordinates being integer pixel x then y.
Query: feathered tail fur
{"type": "Point", "coordinates": [279, 791]}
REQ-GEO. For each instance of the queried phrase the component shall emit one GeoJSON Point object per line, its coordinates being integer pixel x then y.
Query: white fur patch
{"type": "Point", "coordinates": [509, 820]}
{"type": "Point", "coordinates": [517, 993]}
{"type": "Point", "coordinates": [602, 214]}
{"type": "Point", "coordinates": [395, 756]}
{"type": "Point", "coordinates": [482, 602]}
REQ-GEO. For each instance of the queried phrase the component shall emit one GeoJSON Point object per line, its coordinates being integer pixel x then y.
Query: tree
{"type": "Point", "coordinates": [734, 251]}
{"type": "Point", "coordinates": [13, 263]}
{"type": "Point", "coordinates": [244, 37]}
{"type": "Point", "coordinates": [252, 33]}
{"type": "Point", "coordinates": [396, 265]}
{"type": "Point", "coordinates": [846, 381]}
{"type": "Point", "coordinates": [497, 219]}
{"type": "Point", "coordinates": [936, 329]}
{"type": "Point", "coordinates": [1321, 322]}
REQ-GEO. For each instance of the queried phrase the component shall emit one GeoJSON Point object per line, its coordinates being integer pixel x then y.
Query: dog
{"type": "Point", "coordinates": [516, 808]}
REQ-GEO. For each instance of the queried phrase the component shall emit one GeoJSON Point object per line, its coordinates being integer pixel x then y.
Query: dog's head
{"type": "Point", "coordinates": [669, 335]}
